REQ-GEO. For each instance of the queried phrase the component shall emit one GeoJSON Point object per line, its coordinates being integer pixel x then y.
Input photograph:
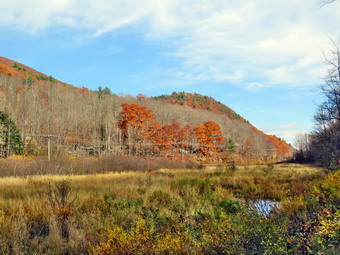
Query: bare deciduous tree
{"type": "Point", "coordinates": [326, 138]}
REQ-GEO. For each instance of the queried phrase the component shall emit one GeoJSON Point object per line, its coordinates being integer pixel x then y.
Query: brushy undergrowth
{"type": "Point", "coordinates": [19, 166]}
{"type": "Point", "coordinates": [206, 211]}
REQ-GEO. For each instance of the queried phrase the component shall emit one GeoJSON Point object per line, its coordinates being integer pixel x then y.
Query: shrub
{"type": "Point", "coordinates": [160, 198]}
{"type": "Point", "coordinates": [327, 233]}
{"type": "Point", "coordinates": [16, 66]}
{"type": "Point", "coordinates": [37, 224]}
{"type": "Point", "coordinates": [62, 204]}
{"type": "Point", "coordinates": [142, 240]}
{"type": "Point", "coordinates": [201, 186]}
{"type": "Point", "coordinates": [232, 165]}
{"type": "Point", "coordinates": [230, 206]}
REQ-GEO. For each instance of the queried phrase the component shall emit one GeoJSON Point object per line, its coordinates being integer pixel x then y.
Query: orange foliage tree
{"type": "Point", "coordinates": [138, 126]}
{"type": "Point", "coordinates": [135, 115]}
{"type": "Point", "coordinates": [247, 150]}
{"type": "Point", "coordinates": [171, 138]}
{"type": "Point", "coordinates": [209, 135]}
{"type": "Point", "coordinates": [137, 123]}
{"type": "Point", "coordinates": [282, 148]}
{"type": "Point", "coordinates": [141, 131]}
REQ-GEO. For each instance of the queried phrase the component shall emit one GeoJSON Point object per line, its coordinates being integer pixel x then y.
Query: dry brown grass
{"type": "Point", "coordinates": [166, 199]}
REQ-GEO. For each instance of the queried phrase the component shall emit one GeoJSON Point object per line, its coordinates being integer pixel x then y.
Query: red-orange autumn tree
{"type": "Point", "coordinates": [137, 125]}
{"type": "Point", "coordinates": [282, 149]}
{"type": "Point", "coordinates": [171, 138]}
{"type": "Point", "coordinates": [137, 117]}
{"type": "Point", "coordinates": [141, 131]}
{"type": "Point", "coordinates": [209, 135]}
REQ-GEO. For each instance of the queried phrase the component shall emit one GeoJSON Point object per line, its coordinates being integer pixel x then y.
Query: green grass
{"type": "Point", "coordinates": [177, 211]}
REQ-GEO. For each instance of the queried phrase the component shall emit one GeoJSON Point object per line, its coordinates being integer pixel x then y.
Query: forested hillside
{"type": "Point", "coordinates": [57, 117]}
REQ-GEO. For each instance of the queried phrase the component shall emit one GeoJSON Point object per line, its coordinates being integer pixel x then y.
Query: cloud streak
{"type": "Point", "coordinates": [253, 44]}
{"type": "Point", "coordinates": [288, 131]}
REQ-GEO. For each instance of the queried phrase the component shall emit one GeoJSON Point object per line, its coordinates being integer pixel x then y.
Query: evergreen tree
{"type": "Point", "coordinates": [10, 139]}
{"type": "Point", "coordinates": [103, 91]}
{"type": "Point", "coordinates": [231, 146]}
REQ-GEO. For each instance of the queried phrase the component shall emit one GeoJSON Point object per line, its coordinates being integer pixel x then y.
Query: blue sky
{"type": "Point", "coordinates": [263, 58]}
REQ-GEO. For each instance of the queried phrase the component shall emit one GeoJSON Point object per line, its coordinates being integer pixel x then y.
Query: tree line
{"type": "Point", "coordinates": [323, 144]}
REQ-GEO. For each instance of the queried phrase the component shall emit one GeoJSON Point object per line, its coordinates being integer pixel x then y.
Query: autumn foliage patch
{"type": "Point", "coordinates": [209, 136]}
{"type": "Point", "coordinates": [138, 122]}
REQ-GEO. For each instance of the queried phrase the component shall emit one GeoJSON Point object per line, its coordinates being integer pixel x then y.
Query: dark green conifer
{"type": "Point", "coordinates": [10, 139]}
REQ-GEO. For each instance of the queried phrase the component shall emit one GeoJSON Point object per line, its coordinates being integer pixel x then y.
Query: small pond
{"type": "Point", "coordinates": [263, 206]}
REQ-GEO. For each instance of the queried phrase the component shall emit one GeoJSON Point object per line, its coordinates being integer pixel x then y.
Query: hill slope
{"type": "Point", "coordinates": [82, 121]}
{"type": "Point", "coordinates": [197, 101]}
{"type": "Point", "coordinates": [10, 63]}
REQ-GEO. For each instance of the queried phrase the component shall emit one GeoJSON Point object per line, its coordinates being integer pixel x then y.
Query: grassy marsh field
{"type": "Point", "coordinates": [173, 211]}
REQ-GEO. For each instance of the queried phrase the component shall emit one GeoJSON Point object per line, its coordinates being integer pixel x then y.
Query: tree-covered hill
{"type": "Point", "coordinates": [63, 119]}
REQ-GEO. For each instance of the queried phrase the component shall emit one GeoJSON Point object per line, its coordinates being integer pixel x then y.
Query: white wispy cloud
{"type": "Point", "coordinates": [288, 130]}
{"type": "Point", "coordinates": [251, 43]}
{"type": "Point", "coordinates": [33, 15]}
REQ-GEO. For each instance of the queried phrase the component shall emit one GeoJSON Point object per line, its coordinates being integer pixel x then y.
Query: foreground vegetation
{"type": "Point", "coordinates": [216, 210]}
